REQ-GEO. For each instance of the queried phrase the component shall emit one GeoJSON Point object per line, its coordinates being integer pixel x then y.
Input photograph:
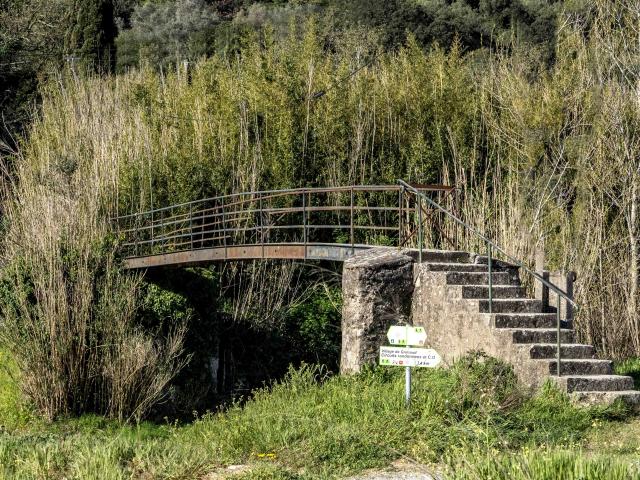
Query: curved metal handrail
{"type": "Point", "coordinates": [354, 213]}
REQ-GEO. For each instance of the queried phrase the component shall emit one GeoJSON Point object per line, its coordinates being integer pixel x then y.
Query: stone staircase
{"type": "Point", "coordinates": [451, 300]}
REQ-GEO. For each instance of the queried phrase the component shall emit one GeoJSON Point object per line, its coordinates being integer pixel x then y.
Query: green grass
{"type": "Point", "coordinates": [540, 465]}
{"type": "Point", "coordinates": [13, 410]}
{"type": "Point", "coordinates": [470, 421]}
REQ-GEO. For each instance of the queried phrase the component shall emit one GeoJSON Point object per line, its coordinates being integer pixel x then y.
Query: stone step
{"type": "Point", "coordinates": [542, 335]}
{"type": "Point", "coordinates": [587, 366]}
{"type": "Point", "coordinates": [455, 267]}
{"type": "Point", "coordinates": [484, 260]}
{"type": "Point", "coordinates": [501, 291]}
{"type": "Point", "coordinates": [476, 278]}
{"type": "Point", "coordinates": [630, 397]}
{"type": "Point", "coordinates": [567, 351]}
{"type": "Point", "coordinates": [527, 320]}
{"type": "Point", "coordinates": [445, 256]}
{"type": "Point", "coordinates": [594, 383]}
{"type": "Point", "coordinates": [523, 305]}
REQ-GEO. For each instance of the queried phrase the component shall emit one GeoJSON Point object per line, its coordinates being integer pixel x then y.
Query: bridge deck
{"type": "Point", "coordinates": [292, 251]}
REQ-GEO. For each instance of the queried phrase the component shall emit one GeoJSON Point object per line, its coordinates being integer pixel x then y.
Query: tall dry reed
{"type": "Point", "coordinates": [68, 311]}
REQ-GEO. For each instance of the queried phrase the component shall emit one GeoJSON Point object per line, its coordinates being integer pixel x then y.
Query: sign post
{"type": "Point", "coordinates": [408, 357]}
{"type": "Point", "coordinates": [407, 369]}
{"type": "Point", "coordinates": [407, 386]}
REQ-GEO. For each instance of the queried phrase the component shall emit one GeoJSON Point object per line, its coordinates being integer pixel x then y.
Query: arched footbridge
{"type": "Point", "coordinates": [299, 224]}
{"type": "Point", "coordinates": [455, 286]}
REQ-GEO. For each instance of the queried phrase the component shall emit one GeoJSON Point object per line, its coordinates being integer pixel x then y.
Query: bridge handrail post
{"type": "Point", "coordinates": [224, 226]}
{"type": "Point", "coordinates": [558, 336]}
{"type": "Point", "coordinates": [261, 213]}
{"type": "Point", "coordinates": [351, 232]}
{"type": "Point", "coordinates": [490, 262]}
{"type": "Point", "coordinates": [137, 237]}
{"type": "Point", "coordinates": [191, 224]}
{"type": "Point", "coordinates": [304, 223]}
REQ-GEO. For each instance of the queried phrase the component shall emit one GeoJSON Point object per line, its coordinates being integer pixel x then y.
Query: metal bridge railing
{"type": "Point", "coordinates": [491, 249]}
{"type": "Point", "coordinates": [351, 215]}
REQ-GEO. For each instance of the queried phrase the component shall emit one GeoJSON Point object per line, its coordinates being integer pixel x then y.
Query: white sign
{"type": "Point", "coordinates": [404, 335]}
{"type": "Point", "coordinates": [409, 357]}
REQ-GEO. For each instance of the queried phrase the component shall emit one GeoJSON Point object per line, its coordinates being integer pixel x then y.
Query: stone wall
{"type": "Point", "coordinates": [455, 326]}
{"type": "Point", "coordinates": [377, 287]}
{"type": "Point", "coordinates": [384, 287]}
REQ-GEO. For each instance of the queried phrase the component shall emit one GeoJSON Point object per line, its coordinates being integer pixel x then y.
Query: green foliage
{"type": "Point", "coordinates": [545, 465]}
{"type": "Point", "coordinates": [161, 305]}
{"type": "Point", "coordinates": [14, 412]}
{"type": "Point", "coordinates": [165, 33]}
{"type": "Point", "coordinates": [474, 23]}
{"type": "Point", "coordinates": [31, 32]}
{"type": "Point", "coordinates": [315, 326]}
{"type": "Point", "coordinates": [91, 33]}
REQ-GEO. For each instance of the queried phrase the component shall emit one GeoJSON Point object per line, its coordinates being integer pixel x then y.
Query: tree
{"type": "Point", "coordinates": [165, 33]}
{"type": "Point", "coordinates": [91, 34]}
{"type": "Point", "coordinates": [31, 33]}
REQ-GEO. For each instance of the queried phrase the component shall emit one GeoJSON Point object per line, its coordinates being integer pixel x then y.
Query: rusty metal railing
{"type": "Point", "coordinates": [350, 215]}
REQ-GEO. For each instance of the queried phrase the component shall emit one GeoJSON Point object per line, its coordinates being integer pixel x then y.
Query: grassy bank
{"type": "Point", "coordinates": [470, 421]}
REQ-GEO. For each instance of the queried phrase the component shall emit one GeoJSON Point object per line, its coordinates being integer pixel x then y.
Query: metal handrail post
{"type": "Point", "coordinates": [191, 224]}
{"type": "Point", "coordinates": [137, 247]}
{"type": "Point", "coordinates": [489, 261]}
{"type": "Point", "coordinates": [304, 223]}
{"type": "Point", "coordinates": [202, 229]}
{"type": "Point", "coordinates": [353, 249]}
{"type": "Point", "coordinates": [420, 232]}
{"type": "Point", "coordinates": [558, 339]}
{"type": "Point", "coordinates": [224, 227]}
{"type": "Point", "coordinates": [261, 213]}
